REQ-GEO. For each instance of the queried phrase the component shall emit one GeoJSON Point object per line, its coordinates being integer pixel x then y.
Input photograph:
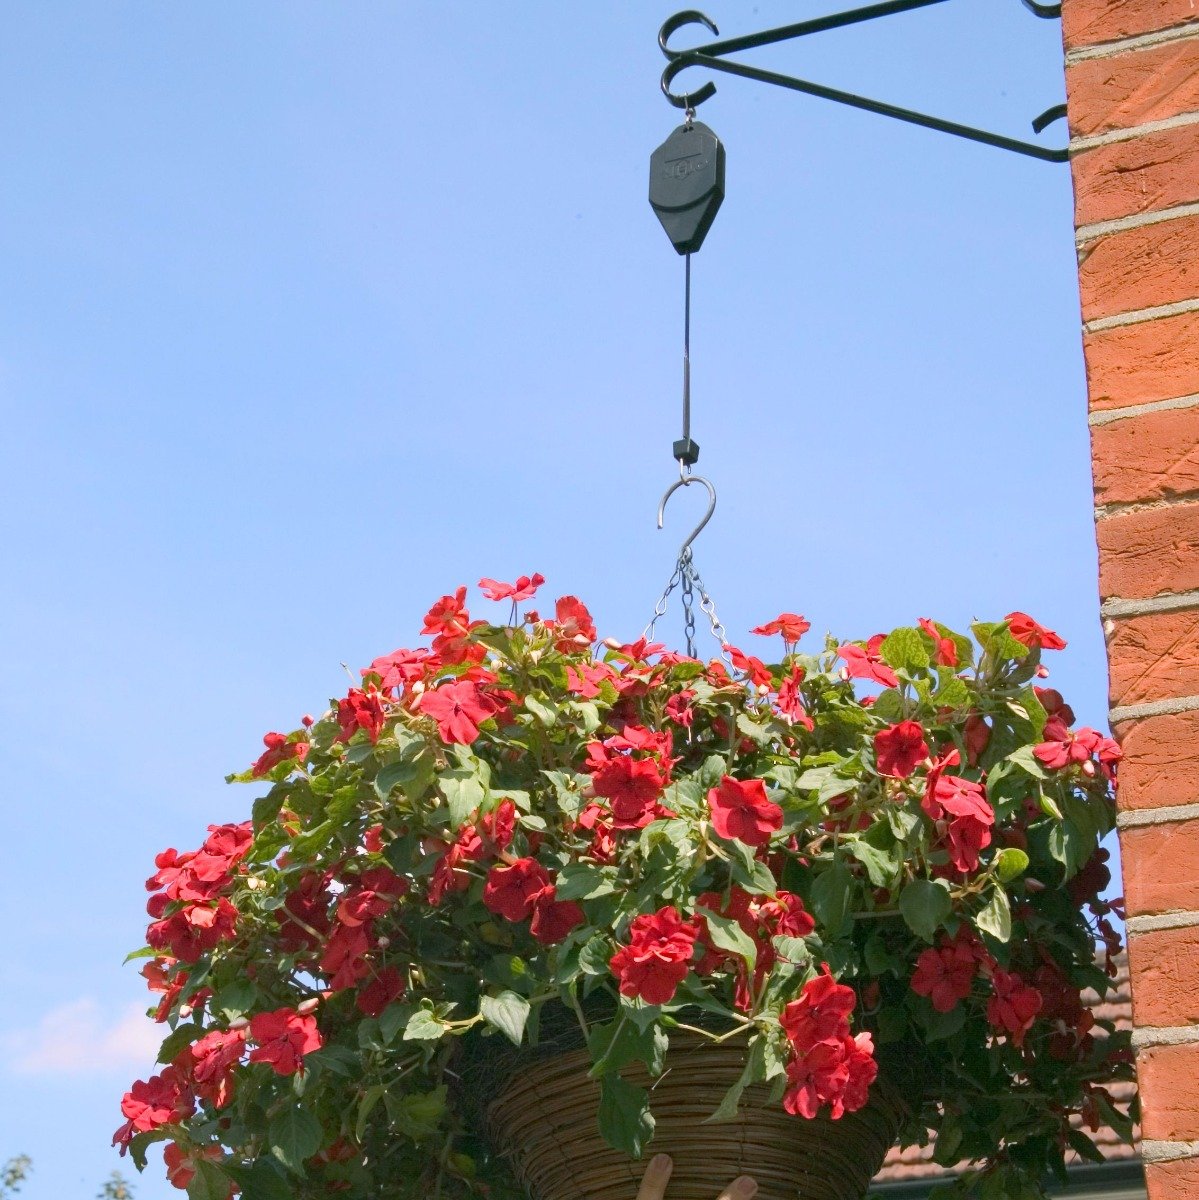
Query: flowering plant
{"type": "Point", "coordinates": [516, 817]}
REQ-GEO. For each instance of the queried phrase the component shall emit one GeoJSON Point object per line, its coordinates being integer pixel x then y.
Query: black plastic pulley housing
{"type": "Point", "coordinates": [686, 184]}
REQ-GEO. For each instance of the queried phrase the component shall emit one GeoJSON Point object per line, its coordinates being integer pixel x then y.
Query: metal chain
{"type": "Point", "coordinates": [688, 580]}
{"type": "Point", "coordinates": [688, 568]}
{"type": "Point", "coordinates": [660, 607]}
{"type": "Point", "coordinates": [708, 605]}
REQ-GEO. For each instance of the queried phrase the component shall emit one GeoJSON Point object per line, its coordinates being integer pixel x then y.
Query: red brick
{"type": "Point", "coordinates": [1152, 360]}
{"type": "Point", "coordinates": [1150, 551]}
{"type": "Point", "coordinates": [1161, 763]}
{"type": "Point", "coordinates": [1165, 976]}
{"type": "Point", "coordinates": [1169, 1096]}
{"type": "Point", "coordinates": [1153, 456]}
{"type": "Point", "coordinates": [1142, 175]}
{"type": "Point", "coordinates": [1133, 88]}
{"type": "Point", "coordinates": [1140, 268]}
{"type": "Point", "coordinates": [1177, 1180]}
{"type": "Point", "coordinates": [1154, 657]}
{"type": "Point", "coordinates": [1085, 22]}
{"type": "Point", "coordinates": [1159, 870]}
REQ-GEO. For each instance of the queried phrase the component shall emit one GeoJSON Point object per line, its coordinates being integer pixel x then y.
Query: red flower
{"type": "Point", "coordinates": [400, 668]}
{"type": "Point", "coordinates": [791, 625]}
{"type": "Point", "coordinates": [963, 803]}
{"type": "Point", "coordinates": [838, 1073]}
{"type": "Point", "coordinates": [1024, 629]}
{"type": "Point", "coordinates": [1014, 1006]}
{"type": "Point", "coordinates": [741, 810]}
{"type": "Point", "coordinates": [900, 749]}
{"type": "Point", "coordinates": [163, 1099]}
{"type": "Point", "coordinates": [572, 625]}
{"type": "Point", "coordinates": [523, 589]}
{"type": "Point", "coordinates": [360, 710]}
{"type": "Point", "coordinates": [458, 708]}
{"type": "Point", "coordinates": [344, 960]}
{"type": "Point", "coordinates": [820, 1014]}
{"type": "Point", "coordinates": [785, 915]}
{"type": "Point", "coordinates": [553, 919]}
{"type": "Point", "coordinates": [790, 700]}
{"type": "Point", "coordinates": [511, 890]}
{"type": "Point", "coordinates": [1053, 704]}
{"type": "Point", "coordinates": [632, 786]}
{"type": "Point", "coordinates": [658, 956]}
{"type": "Point", "coordinates": [593, 820]}
{"type": "Point", "coordinates": [867, 663]}
{"type": "Point", "coordinates": [181, 1164]}
{"type": "Point", "coordinates": [387, 985]}
{"type": "Point", "coordinates": [946, 652]}
{"type": "Point", "coordinates": [758, 672]}
{"type": "Point", "coordinates": [1064, 746]}
{"type": "Point", "coordinates": [283, 1038]}
{"type": "Point", "coordinates": [946, 974]}
{"type": "Point", "coordinates": [214, 1059]}
{"type": "Point", "coordinates": [584, 678]}
{"type": "Point", "coordinates": [448, 617]}
{"type": "Point", "coordinates": [278, 749]}
{"type": "Point", "coordinates": [978, 736]}
{"type": "Point", "coordinates": [193, 930]}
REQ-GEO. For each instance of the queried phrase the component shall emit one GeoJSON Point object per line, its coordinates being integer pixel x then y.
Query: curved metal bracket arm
{"type": "Point", "coordinates": [682, 482]}
{"type": "Point", "coordinates": [711, 57]}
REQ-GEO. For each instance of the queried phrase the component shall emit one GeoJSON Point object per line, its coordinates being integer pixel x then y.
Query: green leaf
{"type": "Point", "coordinates": [618, 1043]}
{"type": "Point", "coordinates": [1028, 762]}
{"type": "Point", "coordinates": [464, 793]}
{"type": "Point", "coordinates": [880, 866]}
{"type": "Point", "coordinates": [1010, 863]}
{"type": "Point", "coordinates": [366, 1105]}
{"type": "Point", "coordinates": [182, 1035]}
{"type": "Point", "coordinates": [208, 1183]}
{"type": "Point", "coordinates": [953, 692]}
{"type": "Point", "coordinates": [594, 957]}
{"type": "Point", "coordinates": [727, 934]}
{"type": "Point", "coordinates": [306, 844]}
{"type": "Point", "coordinates": [543, 710]}
{"type": "Point", "coordinates": [924, 905]}
{"type": "Point", "coordinates": [583, 881]}
{"type": "Point", "coordinates": [753, 1072]}
{"type": "Point", "coordinates": [888, 705]}
{"type": "Point", "coordinates": [904, 649]}
{"type": "Point", "coordinates": [261, 1180]}
{"type": "Point", "coordinates": [294, 1135]}
{"type": "Point", "coordinates": [235, 999]}
{"type": "Point", "coordinates": [423, 1026]}
{"type": "Point", "coordinates": [508, 1012]}
{"type": "Point", "coordinates": [625, 1120]}
{"type": "Point", "coordinates": [754, 876]}
{"type": "Point", "coordinates": [419, 1114]}
{"type": "Point", "coordinates": [831, 894]}
{"type": "Point", "coordinates": [392, 1019]}
{"type": "Point", "coordinates": [144, 952]}
{"type": "Point", "coordinates": [996, 918]}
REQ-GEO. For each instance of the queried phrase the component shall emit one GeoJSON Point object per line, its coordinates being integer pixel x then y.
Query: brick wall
{"type": "Point", "coordinates": [1132, 75]}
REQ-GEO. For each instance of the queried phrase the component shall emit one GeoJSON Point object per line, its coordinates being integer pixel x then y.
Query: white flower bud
{"type": "Point", "coordinates": [612, 643]}
{"type": "Point", "coordinates": [383, 942]}
{"type": "Point", "coordinates": [307, 1006]}
{"type": "Point", "coordinates": [417, 688]}
{"type": "Point", "coordinates": [240, 1023]}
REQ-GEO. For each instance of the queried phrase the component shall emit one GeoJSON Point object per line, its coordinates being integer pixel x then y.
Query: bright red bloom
{"type": "Point", "coordinates": [584, 678]}
{"type": "Point", "coordinates": [741, 809]}
{"type": "Point", "coordinates": [866, 662]}
{"type": "Point", "coordinates": [181, 1164]}
{"type": "Point", "coordinates": [1063, 746]}
{"type": "Point", "coordinates": [360, 710]}
{"type": "Point", "coordinates": [278, 749]}
{"type": "Point", "coordinates": [837, 1073]}
{"type": "Point", "coordinates": [458, 708]}
{"type": "Point", "coordinates": [283, 1038]}
{"type": "Point", "coordinates": [400, 668]}
{"type": "Point", "coordinates": [758, 672]}
{"type": "Point", "coordinates": [963, 804]}
{"type": "Point", "coordinates": [387, 985]}
{"type": "Point", "coordinates": [448, 617]}
{"type": "Point", "coordinates": [163, 1099]}
{"type": "Point", "coordinates": [553, 919]}
{"type": "Point", "coordinates": [1053, 704]}
{"type": "Point", "coordinates": [785, 916]}
{"type": "Point", "coordinates": [1014, 1006]}
{"type": "Point", "coordinates": [946, 974]}
{"type": "Point", "coordinates": [193, 930]}
{"type": "Point", "coordinates": [344, 961]}
{"type": "Point", "coordinates": [1024, 629]}
{"type": "Point", "coordinates": [594, 819]}
{"type": "Point", "coordinates": [978, 737]}
{"type": "Point", "coordinates": [370, 895]}
{"type": "Point", "coordinates": [946, 652]}
{"type": "Point", "coordinates": [572, 625]}
{"type": "Point", "coordinates": [214, 1059]}
{"type": "Point", "coordinates": [498, 826]}
{"type": "Point", "coordinates": [821, 1012]}
{"type": "Point", "coordinates": [790, 699]}
{"type": "Point", "coordinates": [658, 956]}
{"type": "Point", "coordinates": [511, 889]}
{"type": "Point", "coordinates": [304, 911]}
{"type": "Point", "coordinates": [900, 749]}
{"type": "Point", "coordinates": [523, 589]}
{"type": "Point", "coordinates": [791, 625]}
{"type": "Point", "coordinates": [632, 786]}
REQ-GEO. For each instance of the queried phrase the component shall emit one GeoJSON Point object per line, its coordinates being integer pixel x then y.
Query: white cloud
{"type": "Point", "coordinates": [79, 1038]}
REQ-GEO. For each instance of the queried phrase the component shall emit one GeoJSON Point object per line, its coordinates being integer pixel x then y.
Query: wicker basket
{"type": "Point", "coordinates": [545, 1122]}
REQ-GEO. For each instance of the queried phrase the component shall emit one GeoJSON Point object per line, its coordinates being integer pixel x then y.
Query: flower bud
{"type": "Point", "coordinates": [383, 942]}
{"type": "Point", "coordinates": [185, 1011]}
{"type": "Point", "coordinates": [417, 688]}
{"type": "Point", "coordinates": [307, 1006]}
{"type": "Point", "coordinates": [240, 1023]}
{"type": "Point", "coordinates": [611, 643]}
{"type": "Point", "coordinates": [1088, 769]}
{"type": "Point", "coordinates": [306, 720]}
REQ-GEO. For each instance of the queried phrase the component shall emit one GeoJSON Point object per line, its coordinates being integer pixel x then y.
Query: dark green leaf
{"type": "Point", "coordinates": [263, 1179]}
{"type": "Point", "coordinates": [880, 866]}
{"type": "Point", "coordinates": [294, 1135]}
{"type": "Point", "coordinates": [924, 905]}
{"type": "Point", "coordinates": [624, 1116]}
{"type": "Point", "coordinates": [583, 881]}
{"type": "Point", "coordinates": [727, 934]}
{"type": "Point", "coordinates": [235, 999]}
{"type": "Point", "coordinates": [831, 895]}
{"type": "Point", "coordinates": [464, 793]}
{"type": "Point", "coordinates": [593, 958]}
{"type": "Point", "coordinates": [208, 1183]}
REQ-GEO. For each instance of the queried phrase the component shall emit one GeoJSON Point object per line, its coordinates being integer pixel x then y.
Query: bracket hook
{"type": "Point", "coordinates": [686, 481]}
{"type": "Point", "coordinates": [679, 60]}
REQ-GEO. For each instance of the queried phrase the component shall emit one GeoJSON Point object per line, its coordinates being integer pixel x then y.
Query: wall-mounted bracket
{"type": "Point", "coordinates": [712, 57]}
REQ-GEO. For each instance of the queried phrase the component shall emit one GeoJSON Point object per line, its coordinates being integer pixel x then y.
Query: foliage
{"type": "Point", "coordinates": [516, 820]}
{"type": "Point", "coordinates": [14, 1173]}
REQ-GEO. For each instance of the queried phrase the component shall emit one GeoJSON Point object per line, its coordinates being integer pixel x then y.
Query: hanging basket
{"type": "Point", "coordinates": [545, 1123]}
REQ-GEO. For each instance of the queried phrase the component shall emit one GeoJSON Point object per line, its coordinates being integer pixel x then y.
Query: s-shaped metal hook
{"type": "Point", "coordinates": [685, 481]}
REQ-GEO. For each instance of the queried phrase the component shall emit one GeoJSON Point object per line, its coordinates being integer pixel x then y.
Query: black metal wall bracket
{"type": "Point", "coordinates": [712, 57]}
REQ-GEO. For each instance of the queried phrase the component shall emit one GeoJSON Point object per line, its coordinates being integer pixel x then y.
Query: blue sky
{"type": "Point", "coordinates": [316, 311]}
